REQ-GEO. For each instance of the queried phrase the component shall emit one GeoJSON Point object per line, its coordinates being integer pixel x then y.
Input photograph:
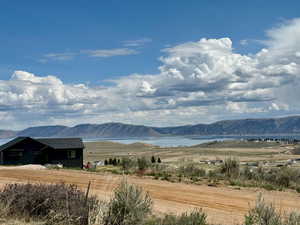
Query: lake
{"type": "Point", "coordinates": [164, 141]}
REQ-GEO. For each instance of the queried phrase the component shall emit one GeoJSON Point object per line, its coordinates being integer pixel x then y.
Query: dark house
{"type": "Point", "coordinates": [26, 150]}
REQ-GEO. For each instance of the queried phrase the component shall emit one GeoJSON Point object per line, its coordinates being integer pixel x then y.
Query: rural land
{"type": "Point", "coordinates": [224, 179]}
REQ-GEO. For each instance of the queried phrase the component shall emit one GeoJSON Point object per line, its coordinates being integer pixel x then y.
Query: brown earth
{"type": "Point", "coordinates": [223, 205]}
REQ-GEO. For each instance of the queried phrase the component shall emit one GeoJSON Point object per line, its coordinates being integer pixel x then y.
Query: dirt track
{"type": "Point", "coordinates": [223, 205]}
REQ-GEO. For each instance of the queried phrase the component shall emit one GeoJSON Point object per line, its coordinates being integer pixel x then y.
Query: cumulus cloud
{"type": "Point", "coordinates": [198, 82]}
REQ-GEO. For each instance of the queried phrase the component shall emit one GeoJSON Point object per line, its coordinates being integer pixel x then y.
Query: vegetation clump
{"type": "Point", "coordinates": [230, 167]}
{"type": "Point", "coordinates": [196, 217]}
{"type": "Point", "coordinates": [265, 214]}
{"type": "Point", "coordinates": [66, 205]}
{"type": "Point", "coordinates": [129, 206]}
{"type": "Point", "coordinates": [57, 203]}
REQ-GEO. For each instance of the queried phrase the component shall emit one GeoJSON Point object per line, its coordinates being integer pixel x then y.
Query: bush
{"type": "Point", "coordinates": [142, 163]}
{"type": "Point", "coordinates": [264, 214]}
{"type": "Point", "coordinates": [127, 163]}
{"type": "Point", "coordinates": [196, 217]}
{"type": "Point", "coordinates": [230, 167]}
{"type": "Point", "coordinates": [280, 177]}
{"type": "Point", "coordinates": [247, 173]}
{"type": "Point", "coordinates": [129, 206]}
{"type": "Point", "coordinates": [44, 201]}
{"type": "Point", "coordinates": [191, 170]}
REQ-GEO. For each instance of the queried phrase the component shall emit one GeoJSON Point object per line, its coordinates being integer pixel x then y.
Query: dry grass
{"type": "Point", "coordinates": [245, 152]}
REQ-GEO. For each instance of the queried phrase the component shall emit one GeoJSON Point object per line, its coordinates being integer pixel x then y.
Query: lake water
{"type": "Point", "coordinates": [164, 141]}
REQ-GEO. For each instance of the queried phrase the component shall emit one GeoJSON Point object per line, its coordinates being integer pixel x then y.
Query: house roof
{"type": "Point", "coordinates": [55, 143]}
{"type": "Point", "coordinates": [62, 143]}
{"type": "Point", "coordinates": [12, 142]}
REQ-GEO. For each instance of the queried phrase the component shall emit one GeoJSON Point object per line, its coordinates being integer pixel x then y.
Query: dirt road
{"type": "Point", "coordinates": [223, 204]}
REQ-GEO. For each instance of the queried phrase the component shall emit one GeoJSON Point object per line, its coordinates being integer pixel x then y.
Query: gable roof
{"type": "Point", "coordinates": [55, 143]}
{"type": "Point", "coordinates": [12, 142]}
{"type": "Point", "coordinates": [62, 143]}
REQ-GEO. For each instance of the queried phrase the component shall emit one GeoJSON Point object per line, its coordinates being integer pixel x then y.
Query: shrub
{"type": "Point", "coordinates": [230, 167]}
{"type": "Point", "coordinates": [142, 163]}
{"type": "Point", "coordinates": [129, 206]}
{"type": "Point", "coordinates": [127, 163]}
{"type": "Point", "coordinates": [48, 202]}
{"type": "Point", "coordinates": [191, 170]}
{"type": "Point", "coordinates": [265, 214]}
{"type": "Point", "coordinates": [196, 217]}
{"type": "Point", "coordinates": [247, 173]}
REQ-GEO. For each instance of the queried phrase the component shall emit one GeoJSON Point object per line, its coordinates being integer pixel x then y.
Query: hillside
{"type": "Point", "coordinates": [7, 133]}
{"type": "Point", "coordinates": [287, 125]}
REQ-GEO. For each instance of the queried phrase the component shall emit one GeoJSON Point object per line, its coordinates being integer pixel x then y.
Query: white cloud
{"type": "Point", "coordinates": [198, 82]}
{"type": "Point", "coordinates": [59, 56]}
{"type": "Point", "coordinates": [104, 53]}
{"type": "Point", "coordinates": [244, 42]}
{"type": "Point", "coordinates": [101, 53]}
{"type": "Point", "coordinates": [137, 43]}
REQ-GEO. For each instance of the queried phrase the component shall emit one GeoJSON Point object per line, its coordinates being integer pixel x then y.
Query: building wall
{"type": "Point", "coordinates": [66, 158]}
{"type": "Point", "coordinates": [32, 152]}
{"type": "Point", "coordinates": [25, 152]}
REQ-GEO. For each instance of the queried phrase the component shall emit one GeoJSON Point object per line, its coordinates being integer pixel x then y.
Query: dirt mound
{"type": "Point", "coordinates": [24, 167]}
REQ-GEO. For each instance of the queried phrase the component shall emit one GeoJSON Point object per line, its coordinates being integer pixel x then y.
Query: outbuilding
{"type": "Point", "coordinates": [27, 150]}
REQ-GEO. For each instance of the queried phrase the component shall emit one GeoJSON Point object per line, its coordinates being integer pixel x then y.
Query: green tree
{"type": "Point", "coordinates": [153, 160]}
{"type": "Point", "coordinates": [159, 160]}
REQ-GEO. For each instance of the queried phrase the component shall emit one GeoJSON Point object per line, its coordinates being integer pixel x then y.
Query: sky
{"type": "Point", "coordinates": [158, 63]}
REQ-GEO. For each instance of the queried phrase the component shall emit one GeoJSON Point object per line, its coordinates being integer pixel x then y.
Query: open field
{"type": "Point", "coordinates": [224, 205]}
{"type": "Point", "coordinates": [245, 151]}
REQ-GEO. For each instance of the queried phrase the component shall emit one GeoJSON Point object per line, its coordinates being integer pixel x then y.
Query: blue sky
{"type": "Point", "coordinates": [93, 42]}
{"type": "Point", "coordinates": [31, 29]}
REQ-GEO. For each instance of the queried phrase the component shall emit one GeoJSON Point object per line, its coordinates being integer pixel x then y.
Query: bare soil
{"type": "Point", "coordinates": [223, 205]}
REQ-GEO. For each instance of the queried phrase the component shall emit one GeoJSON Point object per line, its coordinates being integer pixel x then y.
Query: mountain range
{"type": "Point", "coordinates": [286, 125]}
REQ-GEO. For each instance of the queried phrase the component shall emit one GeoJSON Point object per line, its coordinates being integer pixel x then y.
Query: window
{"type": "Point", "coordinates": [72, 154]}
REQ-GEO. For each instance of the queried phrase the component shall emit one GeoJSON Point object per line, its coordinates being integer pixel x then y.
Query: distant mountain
{"type": "Point", "coordinates": [108, 130]}
{"type": "Point", "coordinates": [287, 125]}
{"type": "Point", "coordinates": [7, 134]}
{"type": "Point", "coordinates": [43, 131]}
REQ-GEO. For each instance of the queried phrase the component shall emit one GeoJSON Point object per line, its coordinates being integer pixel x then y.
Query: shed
{"type": "Point", "coordinates": [27, 150]}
